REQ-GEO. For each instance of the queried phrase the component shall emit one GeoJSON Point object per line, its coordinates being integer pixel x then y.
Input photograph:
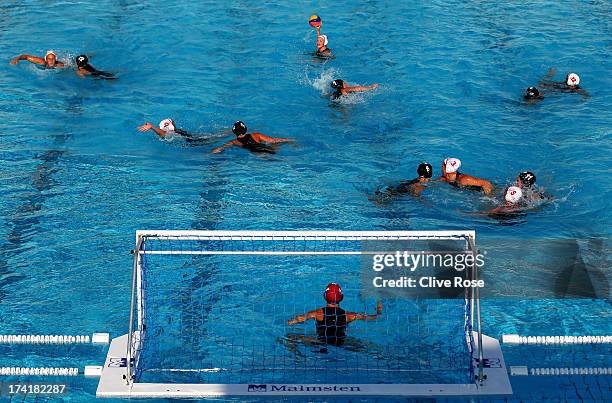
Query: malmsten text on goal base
{"type": "Point", "coordinates": [302, 388]}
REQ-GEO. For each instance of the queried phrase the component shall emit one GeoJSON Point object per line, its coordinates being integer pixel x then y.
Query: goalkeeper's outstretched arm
{"type": "Point", "coordinates": [351, 316]}
{"type": "Point", "coordinates": [304, 317]}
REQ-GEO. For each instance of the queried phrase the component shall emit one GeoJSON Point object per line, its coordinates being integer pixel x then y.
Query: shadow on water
{"type": "Point", "coordinates": [195, 312]}
{"type": "Point", "coordinates": [29, 213]}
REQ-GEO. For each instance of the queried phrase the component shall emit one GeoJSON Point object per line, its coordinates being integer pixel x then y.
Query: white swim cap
{"type": "Point", "coordinates": [451, 165]}
{"type": "Point", "coordinates": [50, 52]}
{"type": "Point", "coordinates": [167, 125]}
{"type": "Point", "coordinates": [572, 79]}
{"type": "Point", "coordinates": [513, 194]}
{"type": "Point", "coordinates": [325, 41]}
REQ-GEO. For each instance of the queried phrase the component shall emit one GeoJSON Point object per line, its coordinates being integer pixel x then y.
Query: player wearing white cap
{"type": "Point", "coordinates": [513, 196]}
{"type": "Point", "coordinates": [167, 127]}
{"type": "Point", "coordinates": [571, 83]}
{"type": "Point", "coordinates": [49, 61]}
{"type": "Point", "coordinates": [451, 175]}
{"type": "Point", "coordinates": [164, 128]}
{"type": "Point", "coordinates": [322, 50]}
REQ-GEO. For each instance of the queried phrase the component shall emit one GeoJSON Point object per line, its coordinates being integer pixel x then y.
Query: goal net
{"type": "Point", "coordinates": [213, 308]}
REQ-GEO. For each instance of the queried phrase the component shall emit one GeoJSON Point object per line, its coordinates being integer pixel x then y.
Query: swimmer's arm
{"type": "Point", "coordinates": [496, 210]}
{"type": "Point", "coordinates": [272, 140]}
{"type": "Point", "coordinates": [417, 189]}
{"type": "Point", "coordinates": [223, 147]}
{"type": "Point", "coordinates": [149, 126]}
{"type": "Point", "coordinates": [303, 318]}
{"type": "Point", "coordinates": [351, 316]}
{"type": "Point", "coordinates": [502, 210]}
{"type": "Point", "coordinates": [486, 186]}
{"type": "Point", "coordinates": [546, 81]}
{"type": "Point", "coordinates": [360, 88]}
{"type": "Point", "coordinates": [559, 85]}
{"type": "Point", "coordinates": [583, 92]}
{"type": "Point", "coordinates": [103, 74]}
{"type": "Point", "coordinates": [31, 59]}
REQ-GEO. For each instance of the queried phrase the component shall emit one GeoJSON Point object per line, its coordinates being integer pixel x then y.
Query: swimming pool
{"type": "Point", "coordinates": [77, 179]}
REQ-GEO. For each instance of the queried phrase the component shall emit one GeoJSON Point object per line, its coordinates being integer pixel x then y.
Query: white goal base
{"type": "Point", "coordinates": [112, 382]}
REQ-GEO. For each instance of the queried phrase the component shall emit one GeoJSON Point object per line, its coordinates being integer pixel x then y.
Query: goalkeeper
{"type": "Point", "coordinates": [331, 320]}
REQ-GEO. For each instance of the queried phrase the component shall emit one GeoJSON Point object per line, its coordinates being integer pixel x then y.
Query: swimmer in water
{"type": "Point", "coordinates": [414, 186]}
{"type": "Point", "coordinates": [323, 51]}
{"type": "Point", "coordinates": [331, 320]}
{"type": "Point", "coordinates": [86, 69]}
{"type": "Point", "coordinates": [571, 83]}
{"type": "Point", "coordinates": [340, 88]}
{"type": "Point", "coordinates": [512, 202]}
{"type": "Point", "coordinates": [48, 62]}
{"type": "Point", "coordinates": [532, 94]}
{"type": "Point", "coordinates": [254, 142]}
{"type": "Point", "coordinates": [168, 127]}
{"type": "Point", "coordinates": [451, 175]}
{"type": "Point", "coordinates": [531, 194]}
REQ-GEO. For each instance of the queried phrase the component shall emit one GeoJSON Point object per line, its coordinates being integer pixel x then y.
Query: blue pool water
{"type": "Point", "coordinates": [77, 179]}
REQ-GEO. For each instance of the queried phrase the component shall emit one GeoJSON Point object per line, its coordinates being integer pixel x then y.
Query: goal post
{"type": "Point", "coordinates": [250, 265]}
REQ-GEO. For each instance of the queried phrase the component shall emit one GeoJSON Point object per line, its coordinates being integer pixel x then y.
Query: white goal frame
{"type": "Point", "coordinates": [117, 379]}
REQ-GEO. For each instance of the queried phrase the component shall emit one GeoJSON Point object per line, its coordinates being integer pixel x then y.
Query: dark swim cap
{"type": "Point", "coordinates": [337, 84]}
{"type": "Point", "coordinates": [425, 170]}
{"type": "Point", "coordinates": [239, 128]}
{"type": "Point", "coordinates": [333, 293]}
{"type": "Point", "coordinates": [532, 92]}
{"type": "Point", "coordinates": [527, 178]}
{"type": "Point", "coordinates": [82, 60]}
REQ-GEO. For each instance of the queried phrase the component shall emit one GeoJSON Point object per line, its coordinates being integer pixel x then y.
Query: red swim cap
{"type": "Point", "coordinates": [333, 293]}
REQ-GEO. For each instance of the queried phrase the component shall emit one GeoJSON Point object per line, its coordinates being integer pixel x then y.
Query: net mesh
{"type": "Point", "coordinates": [222, 318]}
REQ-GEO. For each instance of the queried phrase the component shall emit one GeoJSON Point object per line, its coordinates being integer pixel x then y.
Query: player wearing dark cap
{"type": "Point", "coordinates": [254, 142]}
{"type": "Point", "coordinates": [532, 94]}
{"type": "Point", "coordinates": [414, 186]}
{"type": "Point", "coordinates": [86, 69]}
{"type": "Point", "coordinates": [531, 194]}
{"type": "Point", "coordinates": [341, 88]}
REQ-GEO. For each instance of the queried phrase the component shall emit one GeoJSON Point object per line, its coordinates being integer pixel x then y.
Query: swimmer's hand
{"type": "Point", "coordinates": [145, 127]}
{"type": "Point", "coordinates": [224, 146]}
{"type": "Point", "coordinates": [149, 126]}
{"type": "Point", "coordinates": [15, 60]}
{"type": "Point", "coordinates": [373, 86]}
{"type": "Point", "coordinates": [379, 308]}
